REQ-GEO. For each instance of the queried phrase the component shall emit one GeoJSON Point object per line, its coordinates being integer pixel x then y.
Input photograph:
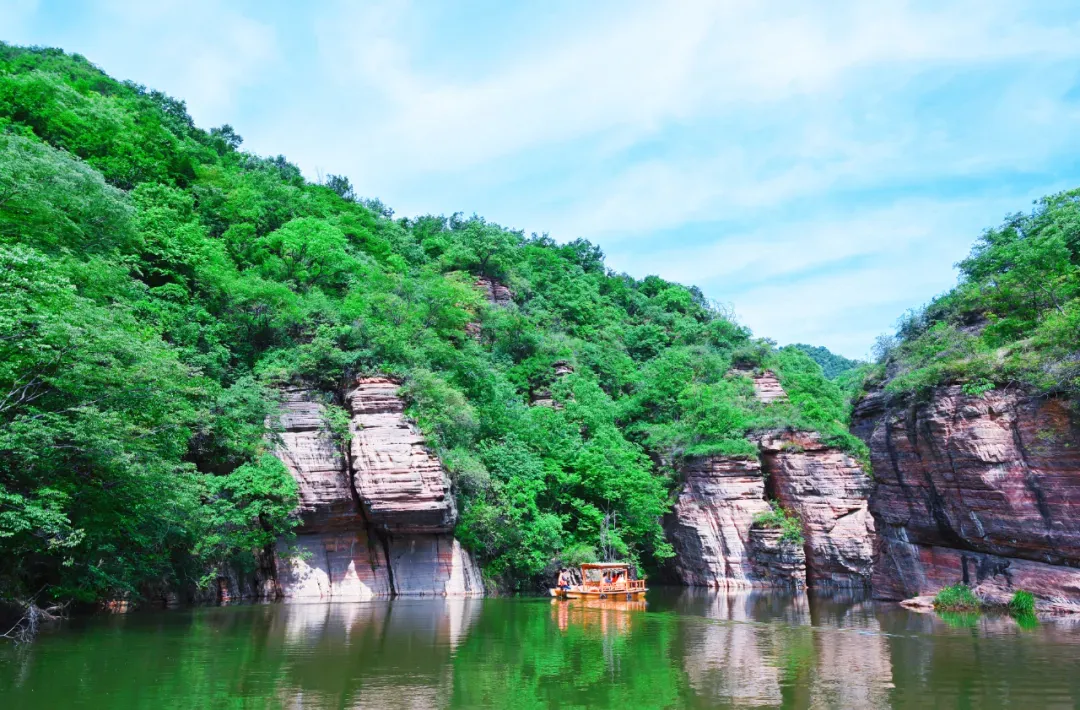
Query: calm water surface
{"type": "Point", "coordinates": [687, 649]}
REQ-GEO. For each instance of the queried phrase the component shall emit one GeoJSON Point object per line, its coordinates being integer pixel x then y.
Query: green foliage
{"type": "Point", "coordinates": [1022, 603]}
{"type": "Point", "coordinates": [161, 286]}
{"type": "Point", "coordinates": [1013, 319]}
{"type": "Point", "coordinates": [832, 365]}
{"type": "Point", "coordinates": [958, 597]}
{"type": "Point", "coordinates": [978, 387]}
{"type": "Point", "coordinates": [781, 519]}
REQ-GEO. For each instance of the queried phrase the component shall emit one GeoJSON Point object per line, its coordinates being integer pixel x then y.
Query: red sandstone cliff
{"type": "Point", "coordinates": [977, 489]}
{"type": "Point", "coordinates": [401, 485]}
{"type": "Point", "coordinates": [711, 526]}
{"type": "Point", "coordinates": [375, 523]}
{"type": "Point", "coordinates": [828, 491]}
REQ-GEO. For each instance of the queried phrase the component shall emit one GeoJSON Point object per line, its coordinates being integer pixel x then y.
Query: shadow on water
{"type": "Point", "coordinates": [687, 648]}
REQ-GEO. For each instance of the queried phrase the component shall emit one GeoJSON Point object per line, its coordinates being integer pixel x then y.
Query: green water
{"type": "Point", "coordinates": [686, 650]}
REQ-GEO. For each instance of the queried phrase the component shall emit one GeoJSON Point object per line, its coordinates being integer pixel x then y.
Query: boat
{"type": "Point", "coordinates": [604, 580]}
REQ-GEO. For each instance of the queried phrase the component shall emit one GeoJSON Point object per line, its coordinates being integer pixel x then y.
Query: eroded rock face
{"type": "Point", "coordinates": [316, 462]}
{"type": "Point", "coordinates": [980, 489]}
{"type": "Point", "coordinates": [775, 562]}
{"type": "Point", "coordinates": [376, 523]}
{"type": "Point", "coordinates": [343, 565]}
{"type": "Point", "coordinates": [402, 485]}
{"type": "Point", "coordinates": [433, 565]}
{"type": "Point", "coordinates": [767, 387]}
{"type": "Point", "coordinates": [496, 293]}
{"type": "Point", "coordinates": [829, 492]}
{"type": "Point", "coordinates": [710, 524]}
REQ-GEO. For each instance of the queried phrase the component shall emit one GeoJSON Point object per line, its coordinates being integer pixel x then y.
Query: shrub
{"type": "Point", "coordinates": [785, 520]}
{"type": "Point", "coordinates": [958, 597]}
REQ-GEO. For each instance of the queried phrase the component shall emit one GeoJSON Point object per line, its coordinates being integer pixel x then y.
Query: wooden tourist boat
{"type": "Point", "coordinates": [604, 580]}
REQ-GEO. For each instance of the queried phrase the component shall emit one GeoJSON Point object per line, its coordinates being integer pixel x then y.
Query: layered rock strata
{"type": "Point", "coordinates": [401, 485]}
{"type": "Point", "coordinates": [829, 492]}
{"type": "Point", "coordinates": [767, 387]}
{"type": "Point", "coordinates": [776, 562]}
{"type": "Point", "coordinates": [977, 489]}
{"type": "Point", "coordinates": [710, 524]}
{"type": "Point", "coordinates": [376, 522]}
{"type": "Point", "coordinates": [496, 293]}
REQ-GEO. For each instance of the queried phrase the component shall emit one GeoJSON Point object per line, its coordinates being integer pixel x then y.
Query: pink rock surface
{"type": "Point", "coordinates": [496, 293]}
{"type": "Point", "coordinates": [379, 529]}
{"type": "Point", "coordinates": [342, 565]}
{"type": "Point", "coordinates": [767, 388]}
{"type": "Point", "coordinates": [401, 484]}
{"type": "Point", "coordinates": [983, 489]}
{"type": "Point", "coordinates": [316, 462]}
{"type": "Point", "coordinates": [710, 524]}
{"type": "Point", "coordinates": [433, 565]}
{"type": "Point", "coordinates": [776, 562]}
{"type": "Point", "coordinates": [829, 492]}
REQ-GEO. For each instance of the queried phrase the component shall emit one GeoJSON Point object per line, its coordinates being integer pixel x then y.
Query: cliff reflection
{"type": "Point", "coordinates": [391, 655]}
{"type": "Point", "coordinates": [768, 649]}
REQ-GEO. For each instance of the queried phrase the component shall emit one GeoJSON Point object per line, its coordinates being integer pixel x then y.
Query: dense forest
{"type": "Point", "coordinates": [161, 286]}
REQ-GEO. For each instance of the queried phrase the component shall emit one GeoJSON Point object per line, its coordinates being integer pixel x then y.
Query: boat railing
{"type": "Point", "coordinates": [630, 585]}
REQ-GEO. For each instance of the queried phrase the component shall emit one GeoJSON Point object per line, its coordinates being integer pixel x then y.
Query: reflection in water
{"type": "Point", "coordinates": [684, 649]}
{"type": "Point", "coordinates": [611, 616]}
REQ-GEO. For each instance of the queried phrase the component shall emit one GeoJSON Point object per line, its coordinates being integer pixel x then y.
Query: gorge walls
{"type": "Point", "coordinates": [977, 489]}
{"type": "Point", "coordinates": [828, 491]}
{"type": "Point", "coordinates": [377, 522]}
{"type": "Point", "coordinates": [711, 522]}
{"type": "Point", "coordinates": [712, 525]}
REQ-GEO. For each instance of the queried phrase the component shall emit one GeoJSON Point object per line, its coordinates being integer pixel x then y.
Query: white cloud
{"type": "Point", "coordinates": [637, 69]}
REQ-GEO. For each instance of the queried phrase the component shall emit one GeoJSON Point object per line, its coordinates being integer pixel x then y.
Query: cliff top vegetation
{"type": "Point", "coordinates": [1013, 319]}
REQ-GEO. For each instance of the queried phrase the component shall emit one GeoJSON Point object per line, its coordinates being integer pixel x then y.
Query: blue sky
{"type": "Point", "coordinates": [817, 166]}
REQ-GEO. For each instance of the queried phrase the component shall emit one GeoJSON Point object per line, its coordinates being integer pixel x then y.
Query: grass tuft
{"type": "Point", "coordinates": [1023, 602]}
{"type": "Point", "coordinates": [958, 597]}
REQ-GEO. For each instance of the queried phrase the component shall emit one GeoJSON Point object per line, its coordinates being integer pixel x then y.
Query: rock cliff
{"type": "Point", "coordinates": [829, 492]}
{"type": "Point", "coordinates": [710, 524]}
{"type": "Point", "coordinates": [377, 522]}
{"type": "Point", "coordinates": [401, 485]}
{"type": "Point", "coordinates": [977, 489]}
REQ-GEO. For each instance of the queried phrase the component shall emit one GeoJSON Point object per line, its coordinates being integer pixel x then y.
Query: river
{"type": "Point", "coordinates": [686, 649]}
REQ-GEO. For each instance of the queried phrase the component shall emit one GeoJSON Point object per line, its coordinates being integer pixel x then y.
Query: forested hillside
{"type": "Point", "coordinates": [1013, 321]}
{"type": "Point", "coordinates": [161, 285]}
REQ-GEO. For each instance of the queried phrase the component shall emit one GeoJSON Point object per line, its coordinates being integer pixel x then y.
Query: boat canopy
{"type": "Point", "coordinates": [605, 565]}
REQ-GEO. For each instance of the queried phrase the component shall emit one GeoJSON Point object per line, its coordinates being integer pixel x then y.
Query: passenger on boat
{"type": "Point", "coordinates": [564, 580]}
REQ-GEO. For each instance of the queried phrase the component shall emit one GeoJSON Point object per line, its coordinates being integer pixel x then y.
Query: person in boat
{"type": "Point", "coordinates": [563, 582]}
